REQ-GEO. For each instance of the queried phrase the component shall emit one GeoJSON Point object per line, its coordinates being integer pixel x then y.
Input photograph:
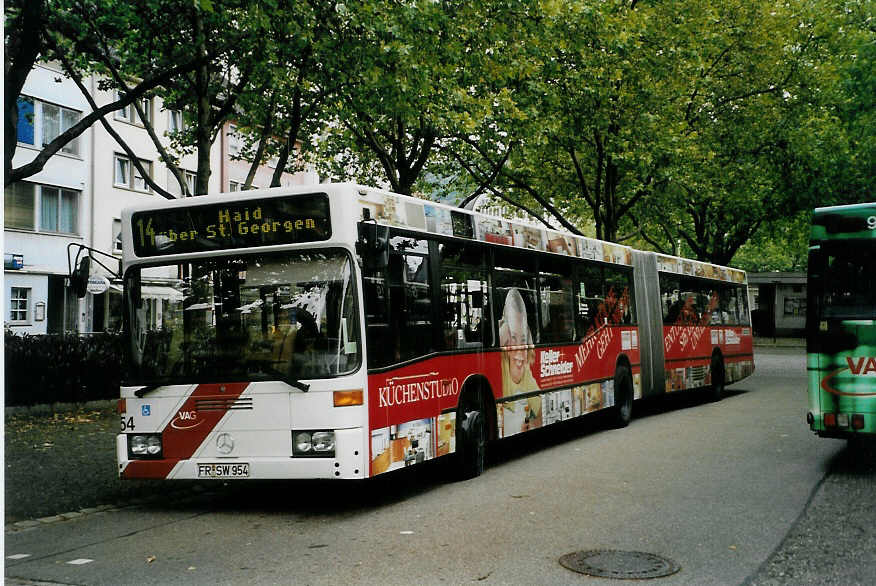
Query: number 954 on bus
{"type": "Point", "coordinates": [223, 470]}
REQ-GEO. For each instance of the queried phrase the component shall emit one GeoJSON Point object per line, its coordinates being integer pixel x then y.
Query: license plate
{"type": "Point", "coordinates": [223, 470]}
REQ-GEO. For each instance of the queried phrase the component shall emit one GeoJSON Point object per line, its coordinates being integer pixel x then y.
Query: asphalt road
{"type": "Point", "coordinates": [734, 492]}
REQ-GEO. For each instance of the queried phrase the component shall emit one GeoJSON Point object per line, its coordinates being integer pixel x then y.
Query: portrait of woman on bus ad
{"type": "Point", "coordinates": [518, 353]}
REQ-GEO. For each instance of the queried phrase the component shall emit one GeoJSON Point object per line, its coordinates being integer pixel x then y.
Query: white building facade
{"type": "Point", "coordinates": [78, 197]}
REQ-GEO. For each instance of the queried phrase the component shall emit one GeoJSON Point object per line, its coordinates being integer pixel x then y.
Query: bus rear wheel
{"type": "Point", "coordinates": [471, 437]}
{"type": "Point", "coordinates": [716, 391]}
{"type": "Point", "coordinates": [622, 412]}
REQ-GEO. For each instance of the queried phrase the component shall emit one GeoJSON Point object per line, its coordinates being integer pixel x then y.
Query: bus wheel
{"type": "Point", "coordinates": [716, 391]}
{"type": "Point", "coordinates": [471, 437]}
{"type": "Point", "coordinates": [623, 397]}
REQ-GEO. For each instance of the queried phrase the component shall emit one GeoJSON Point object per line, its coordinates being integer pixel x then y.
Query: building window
{"type": "Point", "coordinates": [39, 123]}
{"type": "Point", "coordinates": [190, 181]}
{"type": "Point", "coordinates": [19, 305]}
{"type": "Point", "coordinates": [129, 113]}
{"type": "Point", "coordinates": [58, 208]}
{"type": "Point", "coordinates": [18, 206]}
{"type": "Point", "coordinates": [175, 122]}
{"type": "Point", "coordinates": [126, 175]}
{"type": "Point", "coordinates": [117, 237]}
{"type": "Point", "coordinates": [173, 184]}
{"type": "Point", "coordinates": [237, 186]}
{"type": "Point", "coordinates": [233, 141]}
{"type": "Point", "coordinates": [26, 121]}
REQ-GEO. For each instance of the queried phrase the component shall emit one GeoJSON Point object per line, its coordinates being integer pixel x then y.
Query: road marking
{"type": "Point", "coordinates": [18, 556]}
{"type": "Point", "coordinates": [80, 562]}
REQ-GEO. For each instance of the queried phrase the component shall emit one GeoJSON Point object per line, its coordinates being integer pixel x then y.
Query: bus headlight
{"type": "Point", "coordinates": [314, 444]}
{"type": "Point", "coordinates": [143, 446]}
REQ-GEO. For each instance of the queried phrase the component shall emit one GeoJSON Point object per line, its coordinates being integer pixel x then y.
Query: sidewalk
{"type": "Point", "coordinates": [780, 342]}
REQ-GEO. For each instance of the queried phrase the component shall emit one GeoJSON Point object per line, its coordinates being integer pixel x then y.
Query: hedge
{"type": "Point", "coordinates": [65, 368]}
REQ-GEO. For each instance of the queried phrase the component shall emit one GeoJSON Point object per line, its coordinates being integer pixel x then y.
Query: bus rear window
{"type": "Point", "coordinates": [849, 281]}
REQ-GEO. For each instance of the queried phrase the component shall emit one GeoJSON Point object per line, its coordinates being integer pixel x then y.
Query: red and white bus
{"type": "Point", "coordinates": [340, 331]}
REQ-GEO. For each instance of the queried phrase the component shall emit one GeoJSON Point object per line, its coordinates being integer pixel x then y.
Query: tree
{"type": "Point", "coordinates": [55, 30]}
{"type": "Point", "coordinates": [766, 140]}
{"type": "Point", "coordinates": [659, 122]}
{"type": "Point", "coordinates": [403, 69]}
{"type": "Point", "coordinates": [290, 90]}
{"type": "Point", "coordinates": [225, 38]}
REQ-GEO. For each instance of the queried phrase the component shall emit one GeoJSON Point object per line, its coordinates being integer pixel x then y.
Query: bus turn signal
{"type": "Point", "coordinates": [348, 398]}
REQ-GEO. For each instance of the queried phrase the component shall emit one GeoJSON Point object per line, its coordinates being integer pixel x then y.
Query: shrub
{"type": "Point", "coordinates": [62, 368]}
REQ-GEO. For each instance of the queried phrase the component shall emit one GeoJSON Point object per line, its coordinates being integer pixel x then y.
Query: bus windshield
{"type": "Point", "coordinates": [849, 280]}
{"type": "Point", "coordinates": [245, 317]}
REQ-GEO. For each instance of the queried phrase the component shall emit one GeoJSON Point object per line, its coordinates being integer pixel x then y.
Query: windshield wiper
{"type": "Point", "coordinates": [295, 383]}
{"type": "Point", "coordinates": [292, 382]}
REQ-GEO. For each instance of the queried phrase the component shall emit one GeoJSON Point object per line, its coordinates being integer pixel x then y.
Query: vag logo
{"type": "Point", "coordinates": [858, 366]}
{"type": "Point", "coordinates": [185, 420]}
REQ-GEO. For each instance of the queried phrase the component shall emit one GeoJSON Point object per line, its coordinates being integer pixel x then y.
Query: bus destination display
{"type": "Point", "coordinates": [238, 224]}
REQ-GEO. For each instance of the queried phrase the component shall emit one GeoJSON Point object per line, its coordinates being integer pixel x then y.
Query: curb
{"type": "Point", "coordinates": [60, 518]}
{"type": "Point", "coordinates": [194, 491]}
{"type": "Point", "coordinates": [52, 408]}
{"type": "Point", "coordinates": [780, 343]}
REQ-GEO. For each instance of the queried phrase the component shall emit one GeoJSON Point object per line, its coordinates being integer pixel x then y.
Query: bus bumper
{"type": "Point", "coordinates": [348, 462]}
{"type": "Point", "coordinates": [842, 425]}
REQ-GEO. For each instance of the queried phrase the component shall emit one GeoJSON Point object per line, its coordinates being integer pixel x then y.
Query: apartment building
{"type": "Point", "coordinates": [78, 197]}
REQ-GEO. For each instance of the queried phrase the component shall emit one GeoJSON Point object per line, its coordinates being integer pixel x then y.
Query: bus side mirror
{"type": "Point", "coordinates": [373, 245]}
{"type": "Point", "coordinates": [79, 277]}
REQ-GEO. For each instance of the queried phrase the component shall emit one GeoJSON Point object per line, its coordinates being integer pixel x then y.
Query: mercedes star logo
{"type": "Point", "coordinates": [224, 443]}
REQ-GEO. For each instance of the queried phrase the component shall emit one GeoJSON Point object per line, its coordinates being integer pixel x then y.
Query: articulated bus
{"type": "Point", "coordinates": [339, 331]}
{"type": "Point", "coordinates": [841, 322]}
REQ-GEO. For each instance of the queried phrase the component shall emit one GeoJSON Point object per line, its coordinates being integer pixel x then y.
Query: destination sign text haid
{"type": "Point", "coordinates": [285, 220]}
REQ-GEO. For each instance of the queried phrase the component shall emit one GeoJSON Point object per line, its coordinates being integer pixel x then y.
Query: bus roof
{"type": "Point", "coordinates": [407, 212]}
{"type": "Point", "coordinates": [845, 208]}
{"type": "Point", "coordinates": [418, 214]}
{"type": "Point", "coordinates": [848, 222]}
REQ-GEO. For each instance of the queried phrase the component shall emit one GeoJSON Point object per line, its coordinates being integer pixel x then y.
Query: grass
{"type": "Point", "coordinates": [63, 462]}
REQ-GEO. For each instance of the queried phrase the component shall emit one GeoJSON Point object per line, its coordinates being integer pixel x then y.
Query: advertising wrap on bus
{"type": "Point", "coordinates": [558, 383]}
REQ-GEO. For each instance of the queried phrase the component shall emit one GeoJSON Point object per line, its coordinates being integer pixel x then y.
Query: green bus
{"type": "Point", "coordinates": [841, 322]}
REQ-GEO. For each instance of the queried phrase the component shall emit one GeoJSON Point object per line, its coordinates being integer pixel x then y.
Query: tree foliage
{"type": "Point", "coordinates": [690, 127]}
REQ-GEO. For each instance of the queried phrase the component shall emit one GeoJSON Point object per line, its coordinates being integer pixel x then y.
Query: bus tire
{"type": "Point", "coordinates": [622, 412]}
{"type": "Point", "coordinates": [471, 438]}
{"type": "Point", "coordinates": [716, 390]}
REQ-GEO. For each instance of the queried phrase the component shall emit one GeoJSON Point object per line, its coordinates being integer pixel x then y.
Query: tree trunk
{"type": "Point", "coordinates": [22, 50]}
{"type": "Point", "coordinates": [202, 88]}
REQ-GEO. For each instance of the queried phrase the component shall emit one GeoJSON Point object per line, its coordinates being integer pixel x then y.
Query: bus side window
{"type": "Point", "coordinates": [415, 310]}
{"type": "Point", "coordinates": [555, 296]}
{"type": "Point", "coordinates": [670, 295]}
{"type": "Point", "coordinates": [742, 305]}
{"type": "Point", "coordinates": [619, 295]}
{"type": "Point", "coordinates": [514, 279]}
{"type": "Point", "coordinates": [377, 333]}
{"type": "Point", "coordinates": [464, 298]}
{"type": "Point", "coordinates": [589, 293]}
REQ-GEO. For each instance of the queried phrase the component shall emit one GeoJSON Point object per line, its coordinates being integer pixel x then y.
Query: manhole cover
{"type": "Point", "coordinates": [625, 565]}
